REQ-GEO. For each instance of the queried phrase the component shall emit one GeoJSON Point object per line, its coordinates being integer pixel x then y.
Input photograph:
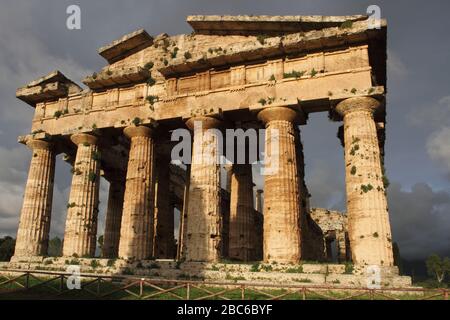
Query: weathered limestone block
{"type": "Point", "coordinates": [80, 237]}
{"type": "Point", "coordinates": [368, 221]}
{"type": "Point", "coordinates": [34, 226]}
{"type": "Point", "coordinates": [136, 233]}
{"type": "Point", "coordinates": [242, 224]}
{"type": "Point", "coordinates": [282, 218]}
{"type": "Point", "coordinates": [203, 241]}
{"type": "Point", "coordinates": [164, 246]}
{"type": "Point", "coordinates": [113, 220]}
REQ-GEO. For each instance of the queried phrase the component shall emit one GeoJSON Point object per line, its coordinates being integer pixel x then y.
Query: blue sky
{"type": "Point", "coordinates": [34, 40]}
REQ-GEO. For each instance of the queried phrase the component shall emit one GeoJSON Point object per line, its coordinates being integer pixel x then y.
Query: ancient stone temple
{"type": "Point", "coordinates": [231, 72]}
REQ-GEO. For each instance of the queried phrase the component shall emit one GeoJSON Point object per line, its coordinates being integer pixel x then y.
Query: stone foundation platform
{"type": "Point", "coordinates": [338, 275]}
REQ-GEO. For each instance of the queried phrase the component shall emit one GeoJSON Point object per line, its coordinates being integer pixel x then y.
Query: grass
{"type": "Point", "coordinates": [13, 291]}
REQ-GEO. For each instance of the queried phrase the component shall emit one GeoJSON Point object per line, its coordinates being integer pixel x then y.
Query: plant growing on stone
{"type": "Point", "coordinates": [92, 177]}
{"type": "Point", "coordinates": [96, 155]}
{"type": "Point", "coordinates": [313, 72]}
{"type": "Point", "coordinates": [346, 25]}
{"type": "Point", "coordinates": [149, 65]}
{"type": "Point", "coordinates": [353, 90]}
{"type": "Point", "coordinates": [348, 268]}
{"type": "Point", "coordinates": [187, 55]}
{"type": "Point", "coordinates": [262, 101]}
{"type": "Point", "coordinates": [174, 53]}
{"type": "Point", "coordinates": [353, 171]}
{"type": "Point", "coordinates": [366, 188]}
{"type": "Point", "coordinates": [95, 264]}
{"type": "Point", "coordinates": [293, 74]}
{"type": "Point", "coordinates": [354, 149]}
{"type": "Point", "coordinates": [261, 38]}
{"type": "Point", "coordinates": [255, 267]}
{"type": "Point", "coordinates": [151, 81]}
{"type": "Point", "coordinates": [152, 99]}
{"type": "Point", "coordinates": [71, 205]}
{"type": "Point", "coordinates": [57, 114]}
{"type": "Point", "coordinates": [136, 121]}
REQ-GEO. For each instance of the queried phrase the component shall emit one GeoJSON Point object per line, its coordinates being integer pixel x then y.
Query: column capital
{"type": "Point", "coordinates": [357, 104]}
{"type": "Point", "coordinates": [80, 138]}
{"type": "Point", "coordinates": [280, 114]}
{"type": "Point", "coordinates": [207, 122]}
{"type": "Point", "coordinates": [35, 144]}
{"type": "Point", "coordinates": [138, 131]}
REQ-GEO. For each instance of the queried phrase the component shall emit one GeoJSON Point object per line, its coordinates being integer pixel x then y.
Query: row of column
{"type": "Point", "coordinates": [369, 229]}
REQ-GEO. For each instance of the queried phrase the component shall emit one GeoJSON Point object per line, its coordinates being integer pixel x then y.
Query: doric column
{"type": "Point", "coordinates": [113, 219]}
{"type": "Point", "coordinates": [136, 233]}
{"type": "Point", "coordinates": [368, 221]}
{"type": "Point", "coordinates": [203, 242]}
{"type": "Point", "coordinates": [80, 237]}
{"type": "Point", "coordinates": [34, 226]}
{"type": "Point", "coordinates": [282, 218]}
{"type": "Point", "coordinates": [182, 235]}
{"type": "Point", "coordinates": [259, 200]}
{"type": "Point", "coordinates": [242, 225]}
{"type": "Point", "coordinates": [164, 245]}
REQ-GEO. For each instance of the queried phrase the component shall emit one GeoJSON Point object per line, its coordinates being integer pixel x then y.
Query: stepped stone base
{"type": "Point", "coordinates": [287, 274]}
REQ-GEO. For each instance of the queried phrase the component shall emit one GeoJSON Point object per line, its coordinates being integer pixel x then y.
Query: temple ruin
{"type": "Point", "coordinates": [230, 72]}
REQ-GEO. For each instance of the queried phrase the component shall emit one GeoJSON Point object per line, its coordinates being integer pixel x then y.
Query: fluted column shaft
{"type": "Point", "coordinates": [136, 233]}
{"type": "Point", "coordinates": [242, 226]}
{"type": "Point", "coordinates": [80, 237]}
{"type": "Point", "coordinates": [282, 219]}
{"type": "Point", "coordinates": [164, 245]}
{"type": "Point", "coordinates": [113, 219]}
{"type": "Point", "coordinates": [34, 225]}
{"type": "Point", "coordinates": [368, 221]}
{"type": "Point", "coordinates": [204, 236]}
{"type": "Point", "coordinates": [184, 217]}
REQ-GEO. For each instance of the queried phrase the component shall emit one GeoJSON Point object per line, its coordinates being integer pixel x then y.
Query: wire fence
{"type": "Point", "coordinates": [20, 284]}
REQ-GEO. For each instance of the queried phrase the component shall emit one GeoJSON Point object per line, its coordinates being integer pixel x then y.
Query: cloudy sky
{"type": "Point", "coordinates": [34, 40]}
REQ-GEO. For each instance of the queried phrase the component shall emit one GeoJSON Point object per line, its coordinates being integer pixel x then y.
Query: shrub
{"type": "Point", "coordinates": [255, 267]}
{"type": "Point", "coordinates": [95, 264]}
{"type": "Point", "coordinates": [353, 171]}
{"type": "Point", "coordinates": [313, 72]}
{"type": "Point", "coordinates": [298, 269]}
{"type": "Point", "coordinates": [293, 74]}
{"type": "Point", "coordinates": [152, 99]}
{"type": "Point", "coordinates": [348, 268]}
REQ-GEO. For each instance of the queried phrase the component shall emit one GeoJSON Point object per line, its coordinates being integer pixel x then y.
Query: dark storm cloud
{"type": "Point", "coordinates": [34, 41]}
